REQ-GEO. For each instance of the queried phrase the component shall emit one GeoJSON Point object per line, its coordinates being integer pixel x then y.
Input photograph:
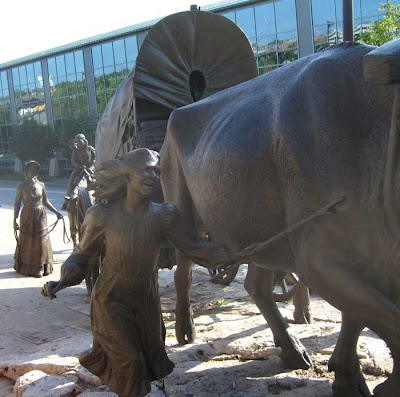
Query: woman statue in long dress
{"type": "Point", "coordinates": [33, 255]}
{"type": "Point", "coordinates": [128, 350]}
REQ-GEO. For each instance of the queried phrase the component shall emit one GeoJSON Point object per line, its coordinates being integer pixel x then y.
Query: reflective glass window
{"type": "Point", "coordinates": [15, 75]}
{"type": "Point", "coordinates": [83, 104]}
{"type": "Point", "coordinates": [323, 12]}
{"type": "Point", "coordinates": [60, 66]}
{"type": "Point", "coordinates": [22, 75]}
{"type": "Point", "coordinates": [30, 73]}
{"type": "Point", "coordinates": [131, 48]}
{"type": "Point", "coordinates": [356, 9]}
{"type": "Point", "coordinates": [265, 19]}
{"type": "Point", "coordinates": [230, 15]}
{"type": "Point", "coordinates": [51, 64]}
{"type": "Point", "coordinates": [245, 20]}
{"type": "Point", "coordinates": [28, 92]}
{"type": "Point", "coordinates": [70, 63]}
{"type": "Point", "coordinates": [80, 84]}
{"type": "Point", "coordinates": [267, 51]}
{"type": "Point", "coordinates": [79, 64]}
{"type": "Point", "coordinates": [117, 59]}
{"type": "Point", "coordinates": [285, 11]}
{"type": "Point", "coordinates": [371, 7]}
{"type": "Point", "coordinates": [67, 85]}
{"type": "Point", "coordinates": [101, 101]}
{"type": "Point", "coordinates": [38, 71]}
{"type": "Point", "coordinates": [97, 57]}
{"type": "Point", "coordinates": [339, 10]}
{"type": "Point", "coordinates": [287, 48]}
{"type": "Point", "coordinates": [4, 80]}
{"type": "Point", "coordinates": [119, 51]}
{"type": "Point", "coordinates": [108, 57]}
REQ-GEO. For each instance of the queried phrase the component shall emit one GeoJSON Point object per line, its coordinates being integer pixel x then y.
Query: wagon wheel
{"type": "Point", "coordinates": [288, 283]}
{"type": "Point", "coordinates": [84, 202]}
{"type": "Point", "coordinates": [227, 278]}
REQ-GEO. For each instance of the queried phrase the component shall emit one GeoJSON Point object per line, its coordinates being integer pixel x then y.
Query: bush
{"type": "Point", "coordinates": [71, 126]}
{"type": "Point", "coordinates": [384, 30]}
{"type": "Point", "coordinates": [33, 141]}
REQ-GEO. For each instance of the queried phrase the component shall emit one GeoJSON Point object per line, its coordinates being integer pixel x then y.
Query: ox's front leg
{"type": "Point", "coordinates": [185, 330]}
{"type": "Point", "coordinates": [259, 284]}
{"type": "Point", "coordinates": [349, 382]}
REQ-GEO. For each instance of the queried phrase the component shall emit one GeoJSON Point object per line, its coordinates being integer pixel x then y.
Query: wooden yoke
{"type": "Point", "coordinates": [382, 66]}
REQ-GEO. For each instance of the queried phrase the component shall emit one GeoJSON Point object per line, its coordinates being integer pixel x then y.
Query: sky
{"type": "Point", "coordinates": [28, 27]}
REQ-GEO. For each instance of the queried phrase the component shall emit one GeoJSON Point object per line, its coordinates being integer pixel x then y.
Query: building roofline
{"type": "Point", "coordinates": [132, 29]}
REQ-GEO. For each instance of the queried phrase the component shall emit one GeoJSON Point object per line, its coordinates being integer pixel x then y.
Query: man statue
{"type": "Point", "coordinates": [82, 158]}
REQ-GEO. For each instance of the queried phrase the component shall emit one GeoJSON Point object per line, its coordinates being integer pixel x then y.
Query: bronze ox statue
{"type": "Point", "coordinates": [248, 162]}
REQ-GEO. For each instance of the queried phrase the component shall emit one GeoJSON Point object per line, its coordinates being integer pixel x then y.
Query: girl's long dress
{"type": "Point", "coordinates": [33, 254]}
{"type": "Point", "coordinates": [128, 349]}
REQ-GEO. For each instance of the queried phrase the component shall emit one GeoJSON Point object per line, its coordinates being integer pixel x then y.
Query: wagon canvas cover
{"type": "Point", "coordinates": [185, 57]}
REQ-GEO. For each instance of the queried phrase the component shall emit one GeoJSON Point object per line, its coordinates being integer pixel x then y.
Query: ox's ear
{"type": "Point", "coordinates": [382, 65]}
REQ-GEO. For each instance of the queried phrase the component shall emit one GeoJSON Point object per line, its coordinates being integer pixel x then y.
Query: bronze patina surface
{"type": "Point", "coordinates": [33, 255]}
{"type": "Point", "coordinates": [128, 331]}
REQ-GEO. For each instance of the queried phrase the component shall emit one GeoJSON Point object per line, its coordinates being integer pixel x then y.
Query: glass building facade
{"type": "Point", "coordinates": [112, 62]}
{"type": "Point", "coordinates": [328, 19]}
{"type": "Point", "coordinates": [67, 85]}
{"type": "Point", "coordinates": [272, 31]}
{"type": "Point", "coordinates": [81, 77]}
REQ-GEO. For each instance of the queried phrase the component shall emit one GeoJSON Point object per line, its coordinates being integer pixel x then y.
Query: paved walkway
{"type": "Point", "coordinates": [27, 320]}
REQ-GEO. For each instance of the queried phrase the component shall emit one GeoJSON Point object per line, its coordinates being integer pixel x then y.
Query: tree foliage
{"type": "Point", "coordinates": [384, 30]}
{"type": "Point", "coordinates": [33, 141]}
{"type": "Point", "coordinates": [71, 126]}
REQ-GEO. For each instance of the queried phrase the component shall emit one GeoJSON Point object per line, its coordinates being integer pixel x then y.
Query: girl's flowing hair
{"type": "Point", "coordinates": [113, 176]}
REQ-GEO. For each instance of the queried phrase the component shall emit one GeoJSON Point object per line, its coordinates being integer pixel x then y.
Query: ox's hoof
{"type": "Point", "coordinates": [389, 388]}
{"type": "Point", "coordinates": [185, 330]}
{"type": "Point", "coordinates": [350, 386]}
{"type": "Point", "coordinates": [294, 359]}
{"type": "Point", "coordinates": [302, 316]}
{"type": "Point", "coordinates": [294, 355]}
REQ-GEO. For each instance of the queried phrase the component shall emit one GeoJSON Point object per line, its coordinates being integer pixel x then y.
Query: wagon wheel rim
{"type": "Point", "coordinates": [84, 202]}
{"type": "Point", "coordinates": [288, 292]}
{"type": "Point", "coordinates": [226, 279]}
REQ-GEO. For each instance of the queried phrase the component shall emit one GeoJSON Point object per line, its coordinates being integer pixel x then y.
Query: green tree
{"type": "Point", "coordinates": [71, 126]}
{"type": "Point", "coordinates": [384, 30]}
{"type": "Point", "coordinates": [33, 141]}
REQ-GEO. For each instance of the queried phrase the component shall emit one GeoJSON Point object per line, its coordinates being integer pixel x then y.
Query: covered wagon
{"type": "Point", "coordinates": [184, 58]}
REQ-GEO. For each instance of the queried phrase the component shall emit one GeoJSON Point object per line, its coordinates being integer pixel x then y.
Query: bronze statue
{"type": "Point", "coordinates": [257, 158]}
{"type": "Point", "coordinates": [33, 254]}
{"type": "Point", "coordinates": [83, 159]}
{"type": "Point", "coordinates": [128, 349]}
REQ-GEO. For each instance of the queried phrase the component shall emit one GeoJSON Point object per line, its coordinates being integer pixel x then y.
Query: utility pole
{"type": "Point", "coordinates": [348, 34]}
